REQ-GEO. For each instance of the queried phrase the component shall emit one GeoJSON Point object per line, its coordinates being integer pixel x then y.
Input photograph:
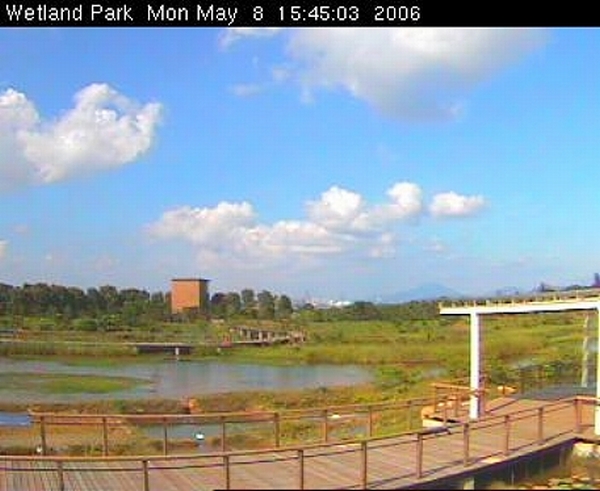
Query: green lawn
{"type": "Point", "coordinates": [66, 384]}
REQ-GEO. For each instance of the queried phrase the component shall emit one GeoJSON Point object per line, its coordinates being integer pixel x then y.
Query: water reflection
{"type": "Point", "coordinates": [171, 379]}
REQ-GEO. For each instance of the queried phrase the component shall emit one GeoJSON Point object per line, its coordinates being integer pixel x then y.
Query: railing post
{"type": "Point", "coordinates": [506, 434]}
{"type": "Point", "coordinates": [104, 436]}
{"type": "Point", "coordinates": [540, 425]}
{"type": "Point", "coordinates": [146, 475]}
{"type": "Point", "coordinates": [61, 475]}
{"type": "Point", "coordinates": [325, 425]}
{"type": "Point", "coordinates": [466, 438]}
{"type": "Point", "coordinates": [456, 401]}
{"type": "Point", "coordinates": [369, 431]}
{"type": "Point", "coordinates": [364, 477]}
{"type": "Point", "coordinates": [165, 437]}
{"type": "Point", "coordinates": [445, 409]}
{"type": "Point", "coordinates": [410, 414]}
{"type": "Point", "coordinates": [43, 435]}
{"type": "Point", "coordinates": [483, 397]}
{"type": "Point", "coordinates": [276, 429]}
{"type": "Point", "coordinates": [419, 459]}
{"type": "Point", "coordinates": [435, 397]}
{"type": "Point", "coordinates": [578, 423]}
{"type": "Point", "coordinates": [223, 434]}
{"type": "Point", "coordinates": [227, 471]}
{"type": "Point", "coordinates": [484, 385]}
{"type": "Point", "coordinates": [301, 468]}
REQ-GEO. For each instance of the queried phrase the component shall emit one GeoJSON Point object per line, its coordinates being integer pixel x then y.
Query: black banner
{"type": "Point", "coordinates": [286, 13]}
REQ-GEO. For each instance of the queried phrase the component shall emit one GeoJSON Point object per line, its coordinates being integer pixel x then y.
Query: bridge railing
{"type": "Point", "coordinates": [451, 396]}
{"type": "Point", "coordinates": [549, 296]}
{"type": "Point", "coordinates": [487, 440]}
{"type": "Point", "coordinates": [117, 434]}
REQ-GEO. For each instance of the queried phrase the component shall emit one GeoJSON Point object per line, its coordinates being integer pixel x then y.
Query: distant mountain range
{"type": "Point", "coordinates": [427, 291]}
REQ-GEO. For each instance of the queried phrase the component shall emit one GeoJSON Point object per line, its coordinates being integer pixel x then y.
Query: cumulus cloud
{"type": "Point", "coordinates": [455, 205]}
{"type": "Point", "coordinates": [233, 34]}
{"type": "Point", "coordinates": [104, 129]}
{"type": "Point", "coordinates": [231, 232]}
{"type": "Point", "coordinates": [338, 209]}
{"type": "Point", "coordinates": [343, 210]}
{"type": "Point", "coordinates": [339, 222]}
{"type": "Point", "coordinates": [416, 73]}
{"type": "Point", "coordinates": [246, 90]}
{"type": "Point", "coordinates": [406, 201]}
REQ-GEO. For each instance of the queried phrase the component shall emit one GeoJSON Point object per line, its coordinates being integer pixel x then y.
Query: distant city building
{"type": "Point", "coordinates": [189, 295]}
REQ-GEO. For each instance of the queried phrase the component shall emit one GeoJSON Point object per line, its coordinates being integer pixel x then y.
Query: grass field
{"type": "Point", "coordinates": [404, 354]}
{"type": "Point", "coordinates": [48, 383]}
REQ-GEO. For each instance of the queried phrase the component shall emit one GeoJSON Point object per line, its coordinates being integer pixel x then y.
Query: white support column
{"type": "Point", "coordinates": [597, 406]}
{"type": "Point", "coordinates": [585, 352]}
{"type": "Point", "coordinates": [475, 374]}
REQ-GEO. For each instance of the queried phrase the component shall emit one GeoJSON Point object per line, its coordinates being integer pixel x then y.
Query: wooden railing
{"type": "Point", "coordinates": [550, 296]}
{"type": "Point", "coordinates": [451, 397]}
{"type": "Point", "coordinates": [532, 423]}
{"type": "Point", "coordinates": [275, 429]}
{"type": "Point", "coordinates": [327, 424]}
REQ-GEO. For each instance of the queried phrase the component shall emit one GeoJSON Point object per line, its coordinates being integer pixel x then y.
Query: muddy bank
{"type": "Point", "coordinates": [225, 402]}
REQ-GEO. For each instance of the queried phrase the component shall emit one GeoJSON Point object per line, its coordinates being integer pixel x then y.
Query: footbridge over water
{"type": "Point", "coordinates": [244, 335]}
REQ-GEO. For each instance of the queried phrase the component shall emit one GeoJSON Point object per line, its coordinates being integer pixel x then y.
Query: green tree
{"type": "Point", "coordinates": [248, 302]}
{"type": "Point", "coordinates": [266, 305]}
{"type": "Point", "coordinates": [233, 304]}
{"type": "Point", "coordinates": [284, 307]}
{"type": "Point", "coordinates": [363, 311]}
{"type": "Point", "coordinates": [218, 305]}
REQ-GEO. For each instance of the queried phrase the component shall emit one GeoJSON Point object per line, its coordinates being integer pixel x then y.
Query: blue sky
{"type": "Point", "coordinates": [339, 163]}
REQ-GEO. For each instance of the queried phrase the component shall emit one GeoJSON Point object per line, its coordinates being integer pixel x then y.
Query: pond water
{"type": "Point", "coordinates": [173, 379]}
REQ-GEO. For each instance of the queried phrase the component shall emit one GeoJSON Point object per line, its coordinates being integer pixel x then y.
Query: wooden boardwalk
{"type": "Point", "coordinates": [512, 428]}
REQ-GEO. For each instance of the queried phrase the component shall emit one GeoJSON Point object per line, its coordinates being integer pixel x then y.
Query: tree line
{"type": "Point", "coordinates": [111, 306]}
{"type": "Point", "coordinates": [108, 304]}
{"type": "Point", "coordinates": [107, 307]}
{"type": "Point", "coordinates": [369, 311]}
{"type": "Point", "coordinates": [248, 304]}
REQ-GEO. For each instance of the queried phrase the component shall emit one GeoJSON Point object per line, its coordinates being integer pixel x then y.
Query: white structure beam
{"type": "Point", "coordinates": [475, 373]}
{"type": "Point", "coordinates": [518, 306]}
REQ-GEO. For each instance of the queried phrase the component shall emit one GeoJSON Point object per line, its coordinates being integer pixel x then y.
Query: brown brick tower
{"type": "Point", "coordinates": [189, 294]}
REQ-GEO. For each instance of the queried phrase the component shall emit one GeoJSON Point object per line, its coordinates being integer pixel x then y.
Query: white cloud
{"type": "Point", "coordinates": [230, 232]}
{"type": "Point", "coordinates": [384, 246]}
{"type": "Point", "coordinates": [104, 129]}
{"type": "Point", "coordinates": [246, 90]}
{"type": "Point", "coordinates": [3, 249]}
{"type": "Point", "coordinates": [407, 201]}
{"type": "Point", "coordinates": [206, 225]}
{"type": "Point", "coordinates": [342, 210]}
{"type": "Point", "coordinates": [416, 73]}
{"type": "Point", "coordinates": [436, 246]}
{"type": "Point", "coordinates": [339, 222]}
{"type": "Point", "coordinates": [338, 209]}
{"type": "Point", "coordinates": [455, 205]}
{"type": "Point", "coordinates": [233, 34]}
